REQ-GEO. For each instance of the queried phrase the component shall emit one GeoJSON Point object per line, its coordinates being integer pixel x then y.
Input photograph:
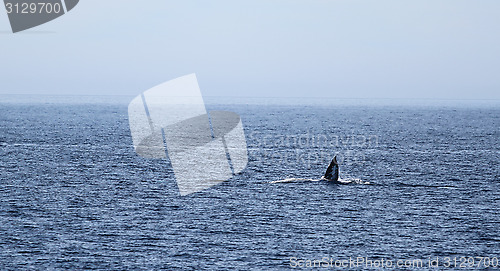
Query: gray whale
{"type": "Point", "coordinates": [332, 172]}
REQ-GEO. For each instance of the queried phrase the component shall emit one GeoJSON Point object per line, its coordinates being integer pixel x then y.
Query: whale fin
{"type": "Point", "coordinates": [332, 172]}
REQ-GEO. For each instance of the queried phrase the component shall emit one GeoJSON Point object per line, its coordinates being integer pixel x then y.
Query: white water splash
{"type": "Point", "coordinates": [352, 180]}
{"type": "Point", "coordinates": [340, 180]}
{"type": "Point", "coordinates": [295, 180]}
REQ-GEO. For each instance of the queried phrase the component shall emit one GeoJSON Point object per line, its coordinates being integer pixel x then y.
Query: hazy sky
{"type": "Point", "coordinates": [262, 48]}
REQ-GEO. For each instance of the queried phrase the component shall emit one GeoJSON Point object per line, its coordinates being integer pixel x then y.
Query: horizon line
{"type": "Point", "coordinates": [261, 97]}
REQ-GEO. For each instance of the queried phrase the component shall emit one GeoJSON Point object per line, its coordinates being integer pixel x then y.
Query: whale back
{"type": "Point", "coordinates": [332, 172]}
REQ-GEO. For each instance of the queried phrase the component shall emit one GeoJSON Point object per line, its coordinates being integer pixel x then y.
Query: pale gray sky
{"type": "Point", "coordinates": [262, 48]}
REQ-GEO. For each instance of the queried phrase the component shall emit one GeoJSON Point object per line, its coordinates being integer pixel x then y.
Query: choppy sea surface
{"type": "Point", "coordinates": [75, 195]}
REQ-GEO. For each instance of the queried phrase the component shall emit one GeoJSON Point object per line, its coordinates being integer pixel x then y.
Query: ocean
{"type": "Point", "coordinates": [74, 194]}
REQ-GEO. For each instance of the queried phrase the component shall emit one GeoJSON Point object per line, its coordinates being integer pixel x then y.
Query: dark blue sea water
{"type": "Point", "coordinates": [74, 195]}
